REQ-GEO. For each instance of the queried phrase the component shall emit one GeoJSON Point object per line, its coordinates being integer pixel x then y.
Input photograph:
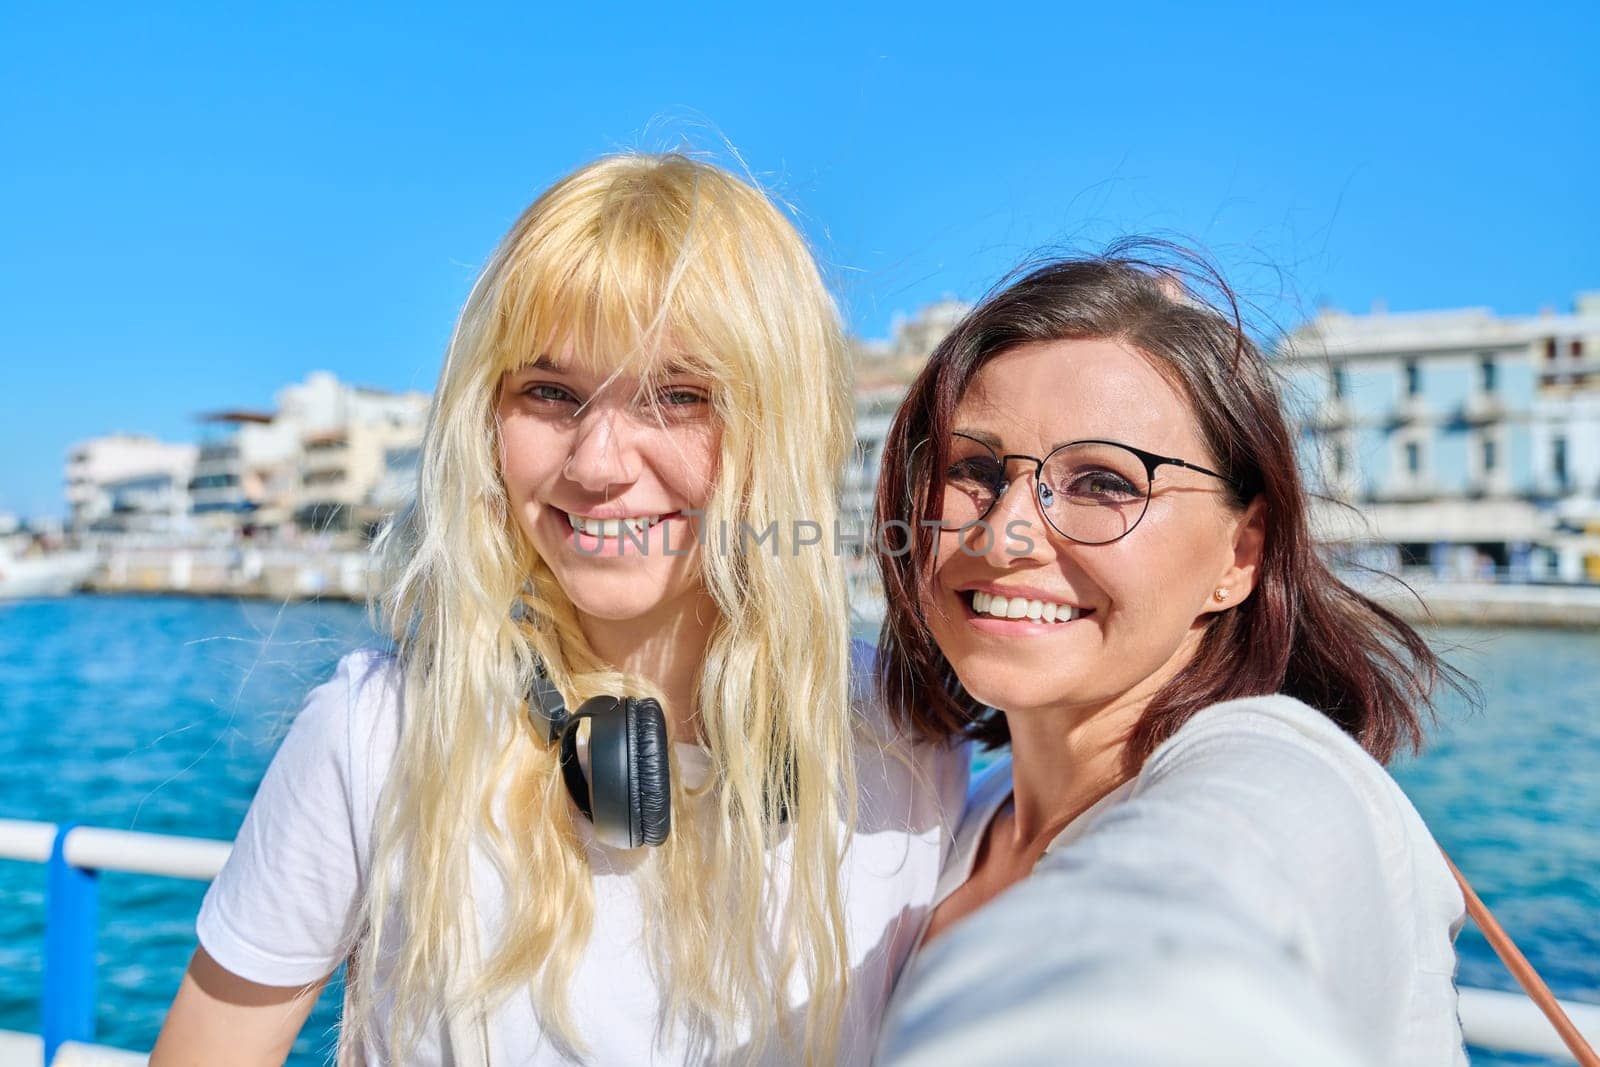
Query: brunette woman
{"type": "Point", "coordinates": [1111, 572]}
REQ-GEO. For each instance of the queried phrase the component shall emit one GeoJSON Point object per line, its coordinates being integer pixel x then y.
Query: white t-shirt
{"type": "Point", "coordinates": [1260, 893]}
{"type": "Point", "coordinates": [282, 908]}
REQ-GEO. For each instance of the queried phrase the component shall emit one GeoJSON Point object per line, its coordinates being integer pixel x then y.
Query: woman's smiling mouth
{"type": "Point", "coordinates": [997, 612]}
{"type": "Point", "coordinates": [619, 535]}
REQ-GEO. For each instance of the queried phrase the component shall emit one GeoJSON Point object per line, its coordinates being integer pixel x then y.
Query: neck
{"type": "Point", "coordinates": [666, 647]}
{"type": "Point", "coordinates": [1061, 764]}
{"type": "Point", "coordinates": [1065, 758]}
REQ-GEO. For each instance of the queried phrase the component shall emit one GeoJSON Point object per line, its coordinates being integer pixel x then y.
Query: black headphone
{"type": "Point", "coordinates": [627, 793]}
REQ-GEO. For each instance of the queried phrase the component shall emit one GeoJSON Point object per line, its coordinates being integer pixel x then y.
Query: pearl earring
{"type": "Point", "coordinates": [1219, 595]}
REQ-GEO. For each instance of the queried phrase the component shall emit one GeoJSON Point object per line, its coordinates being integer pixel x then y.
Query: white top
{"type": "Point", "coordinates": [282, 909]}
{"type": "Point", "coordinates": [1261, 893]}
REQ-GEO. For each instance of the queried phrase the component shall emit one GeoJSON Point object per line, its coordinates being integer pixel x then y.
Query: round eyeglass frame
{"type": "Point", "coordinates": [1151, 461]}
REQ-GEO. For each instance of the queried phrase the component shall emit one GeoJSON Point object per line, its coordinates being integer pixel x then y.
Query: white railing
{"type": "Point", "coordinates": [73, 855]}
{"type": "Point", "coordinates": [1508, 1022]}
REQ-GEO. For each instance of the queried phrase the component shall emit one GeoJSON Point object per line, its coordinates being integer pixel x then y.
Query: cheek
{"type": "Point", "coordinates": [529, 456]}
{"type": "Point", "coordinates": [689, 467]}
{"type": "Point", "coordinates": [946, 551]}
{"type": "Point", "coordinates": [1165, 574]}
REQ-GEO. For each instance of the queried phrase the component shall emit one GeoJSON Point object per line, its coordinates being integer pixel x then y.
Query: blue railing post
{"type": "Point", "coordinates": [71, 924]}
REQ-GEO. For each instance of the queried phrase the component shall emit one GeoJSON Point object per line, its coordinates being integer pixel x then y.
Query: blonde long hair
{"type": "Point", "coordinates": [627, 258]}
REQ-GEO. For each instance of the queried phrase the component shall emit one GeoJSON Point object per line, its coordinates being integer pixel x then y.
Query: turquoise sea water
{"type": "Point", "coordinates": [160, 714]}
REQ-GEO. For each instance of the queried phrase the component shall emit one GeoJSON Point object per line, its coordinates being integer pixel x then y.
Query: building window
{"type": "Point", "coordinates": [1413, 378]}
{"type": "Point", "coordinates": [1413, 458]}
{"type": "Point", "coordinates": [1488, 374]}
{"type": "Point", "coordinates": [1577, 348]}
{"type": "Point", "coordinates": [1339, 384]}
{"type": "Point", "coordinates": [1558, 461]}
{"type": "Point", "coordinates": [1489, 457]}
{"type": "Point", "coordinates": [1341, 461]}
{"type": "Point", "coordinates": [1550, 348]}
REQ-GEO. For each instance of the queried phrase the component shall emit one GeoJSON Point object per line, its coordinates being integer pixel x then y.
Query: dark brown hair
{"type": "Point", "coordinates": [1303, 631]}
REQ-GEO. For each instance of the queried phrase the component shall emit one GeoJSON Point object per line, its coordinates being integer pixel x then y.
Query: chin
{"type": "Point", "coordinates": [617, 598]}
{"type": "Point", "coordinates": [1008, 692]}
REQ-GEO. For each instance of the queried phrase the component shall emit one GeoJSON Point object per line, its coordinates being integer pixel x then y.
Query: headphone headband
{"type": "Point", "coordinates": [547, 711]}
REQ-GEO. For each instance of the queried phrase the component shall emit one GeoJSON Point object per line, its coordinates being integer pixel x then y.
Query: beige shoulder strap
{"type": "Point", "coordinates": [1523, 972]}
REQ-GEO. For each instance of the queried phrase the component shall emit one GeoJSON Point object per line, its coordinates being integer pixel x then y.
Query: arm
{"type": "Point", "coordinates": [278, 918]}
{"type": "Point", "coordinates": [218, 1017]}
{"type": "Point", "coordinates": [1235, 909]}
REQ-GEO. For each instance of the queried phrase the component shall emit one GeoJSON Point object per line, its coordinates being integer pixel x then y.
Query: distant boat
{"type": "Point", "coordinates": [52, 574]}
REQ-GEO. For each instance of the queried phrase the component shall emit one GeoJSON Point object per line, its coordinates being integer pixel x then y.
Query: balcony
{"type": "Point", "coordinates": [217, 455]}
{"type": "Point", "coordinates": [1406, 490]}
{"type": "Point", "coordinates": [323, 476]}
{"type": "Point", "coordinates": [1481, 408]}
{"type": "Point", "coordinates": [1411, 409]}
{"type": "Point", "coordinates": [212, 481]}
{"type": "Point", "coordinates": [325, 455]}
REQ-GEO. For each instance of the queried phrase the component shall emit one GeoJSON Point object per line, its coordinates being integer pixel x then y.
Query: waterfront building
{"type": "Point", "coordinates": [128, 483]}
{"type": "Point", "coordinates": [243, 478]}
{"type": "Point", "coordinates": [354, 448]}
{"type": "Point", "coordinates": [884, 370]}
{"type": "Point", "coordinates": [315, 464]}
{"type": "Point", "coordinates": [1450, 441]}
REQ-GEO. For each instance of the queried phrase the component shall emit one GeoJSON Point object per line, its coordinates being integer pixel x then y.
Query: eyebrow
{"type": "Point", "coordinates": [538, 363]}
{"type": "Point", "coordinates": [992, 440]}
{"type": "Point", "coordinates": [547, 362]}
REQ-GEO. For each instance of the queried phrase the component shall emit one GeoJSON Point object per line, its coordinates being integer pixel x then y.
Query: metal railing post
{"type": "Point", "coordinates": [72, 901]}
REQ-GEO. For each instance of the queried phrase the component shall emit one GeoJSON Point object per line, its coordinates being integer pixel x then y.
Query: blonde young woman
{"type": "Point", "coordinates": [646, 392]}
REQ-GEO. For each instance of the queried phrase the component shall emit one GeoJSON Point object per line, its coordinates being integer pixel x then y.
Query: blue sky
{"type": "Point", "coordinates": [199, 205]}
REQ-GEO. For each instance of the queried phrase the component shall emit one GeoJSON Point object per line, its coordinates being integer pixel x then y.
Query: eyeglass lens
{"type": "Point", "coordinates": [1090, 492]}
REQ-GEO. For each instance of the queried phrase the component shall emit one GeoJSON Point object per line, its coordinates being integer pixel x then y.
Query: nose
{"type": "Point", "coordinates": [604, 451]}
{"type": "Point", "coordinates": [1017, 531]}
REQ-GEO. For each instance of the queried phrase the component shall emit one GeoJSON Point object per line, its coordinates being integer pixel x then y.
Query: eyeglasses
{"type": "Point", "coordinates": [1091, 492]}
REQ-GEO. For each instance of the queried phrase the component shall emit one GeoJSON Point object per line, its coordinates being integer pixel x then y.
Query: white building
{"type": "Point", "coordinates": [245, 477]}
{"type": "Point", "coordinates": [356, 444]}
{"type": "Point", "coordinates": [884, 369]}
{"type": "Point", "coordinates": [128, 483]}
{"type": "Point", "coordinates": [1462, 438]}
{"type": "Point", "coordinates": [912, 338]}
{"type": "Point", "coordinates": [319, 463]}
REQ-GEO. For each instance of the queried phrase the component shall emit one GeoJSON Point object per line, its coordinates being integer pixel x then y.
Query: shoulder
{"type": "Point", "coordinates": [1309, 820]}
{"type": "Point", "coordinates": [363, 695]}
{"type": "Point", "coordinates": [349, 725]}
{"type": "Point", "coordinates": [1251, 746]}
{"type": "Point", "coordinates": [281, 911]}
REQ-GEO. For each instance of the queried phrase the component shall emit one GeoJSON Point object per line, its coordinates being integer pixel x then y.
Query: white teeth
{"type": "Point", "coordinates": [612, 527]}
{"type": "Point", "coordinates": [1000, 607]}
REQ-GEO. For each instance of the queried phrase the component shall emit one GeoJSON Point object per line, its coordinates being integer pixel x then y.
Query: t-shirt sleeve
{"type": "Point", "coordinates": [281, 911]}
{"type": "Point", "coordinates": [1248, 899]}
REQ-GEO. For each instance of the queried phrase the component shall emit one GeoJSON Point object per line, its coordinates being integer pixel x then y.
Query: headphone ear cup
{"type": "Point", "coordinates": [650, 784]}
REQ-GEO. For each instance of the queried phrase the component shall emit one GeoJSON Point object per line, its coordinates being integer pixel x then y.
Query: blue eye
{"type": "Point", "coordinates": [552, 394]}
{"type": "Point", "coordinates": [681, 396]}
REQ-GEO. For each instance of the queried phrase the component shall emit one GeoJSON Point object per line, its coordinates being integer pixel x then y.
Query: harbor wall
{"type": "Point", "coordinates": [294, 573]}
